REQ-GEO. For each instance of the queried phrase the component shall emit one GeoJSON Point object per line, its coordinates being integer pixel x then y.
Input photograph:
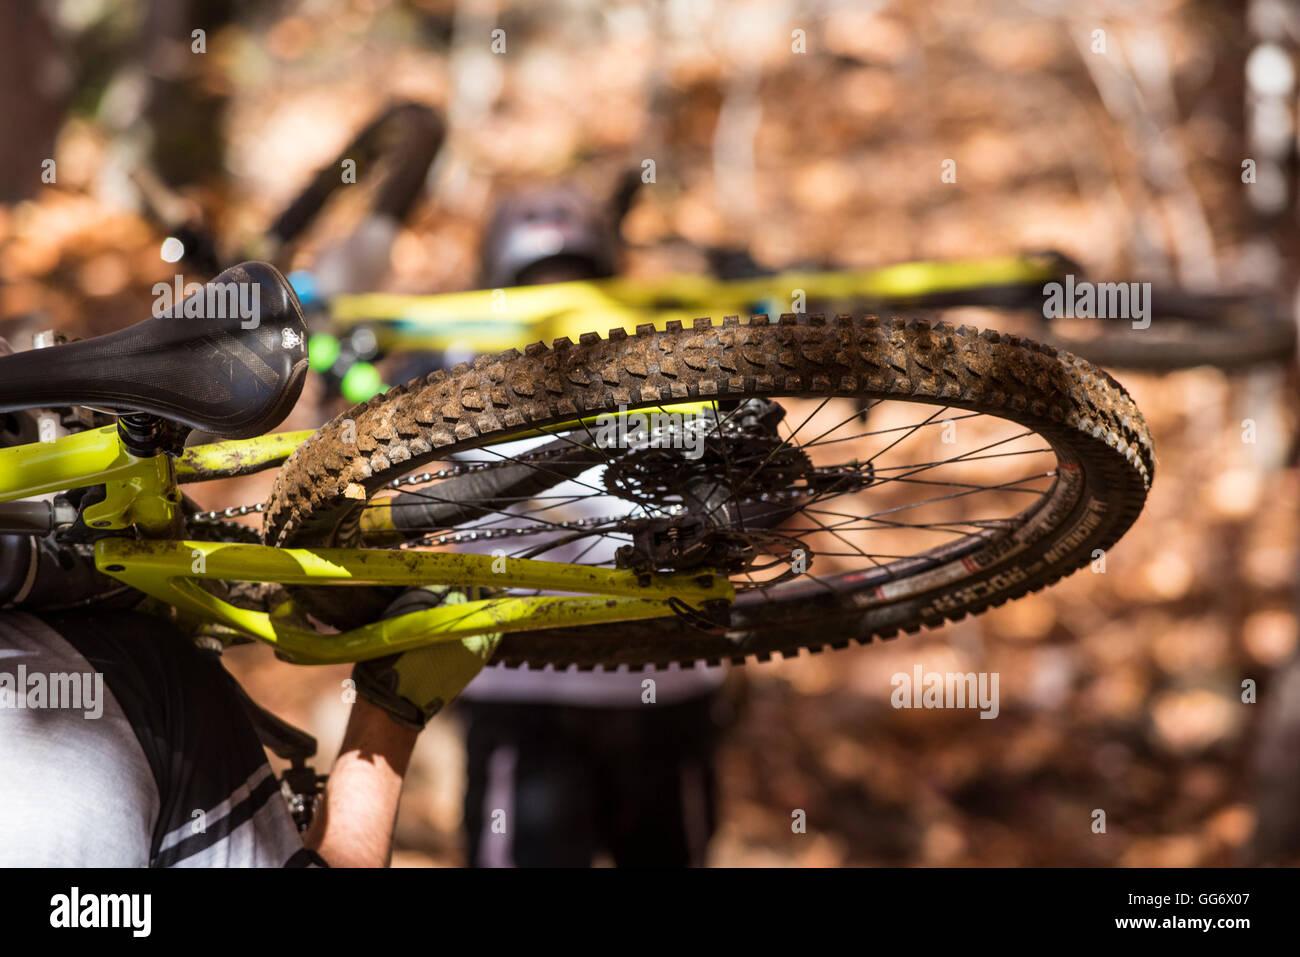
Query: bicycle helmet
{"type": "Point", "coordinates": [548, 235]}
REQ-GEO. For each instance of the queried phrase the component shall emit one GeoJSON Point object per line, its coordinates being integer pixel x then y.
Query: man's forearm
{"type": "Point", "coordinates": [353, 826]}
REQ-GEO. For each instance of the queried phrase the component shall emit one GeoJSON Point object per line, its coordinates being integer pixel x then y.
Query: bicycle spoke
{"type": "Point", "coordinates": [582, 520]}
{"type": "Point", "coordinates": [910, 432]}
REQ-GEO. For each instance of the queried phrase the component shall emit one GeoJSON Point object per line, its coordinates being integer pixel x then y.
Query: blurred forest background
{"type": "Point", "coordinates": [1120, 691]}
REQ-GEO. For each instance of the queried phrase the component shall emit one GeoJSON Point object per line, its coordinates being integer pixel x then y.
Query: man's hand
{"type": "Point", "coordinates": [353, 826]}
{"type": "Point", "coordinates": [413, 686]}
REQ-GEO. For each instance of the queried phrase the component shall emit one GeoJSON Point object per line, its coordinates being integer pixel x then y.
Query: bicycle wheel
{"type": "Point", "coordinates": [858, 515]}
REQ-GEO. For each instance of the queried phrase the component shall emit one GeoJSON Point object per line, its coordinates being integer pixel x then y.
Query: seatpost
{"type": "Point", "coordinates": [144, 436]}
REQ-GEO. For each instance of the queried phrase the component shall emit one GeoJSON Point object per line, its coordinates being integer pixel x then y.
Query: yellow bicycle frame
{"type": "Point", "coordinates": [142, 501]}
{"type": "Point", "coordinates": [488, 320]}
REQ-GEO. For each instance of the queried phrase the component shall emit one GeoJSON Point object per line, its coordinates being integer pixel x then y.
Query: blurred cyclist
{"type": "Point", "coordinates": [577, 762]}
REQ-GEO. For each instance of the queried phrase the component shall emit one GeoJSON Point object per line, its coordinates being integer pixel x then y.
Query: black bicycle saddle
{"type": "Point", "coordinates": [230, 359]}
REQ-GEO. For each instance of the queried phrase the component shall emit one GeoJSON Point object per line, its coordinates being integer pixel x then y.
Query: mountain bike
{"type": "Point", "coordinates": [1226, 330]}
{"type": "Point", "coordinates": [698, 492]}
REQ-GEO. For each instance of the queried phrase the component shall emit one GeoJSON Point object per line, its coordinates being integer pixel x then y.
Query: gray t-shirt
{"type": "Point", "coordinates": [124, 745]}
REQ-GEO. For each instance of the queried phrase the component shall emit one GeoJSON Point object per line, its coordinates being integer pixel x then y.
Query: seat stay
{"type": "Point", "coordinates": [203, 463]}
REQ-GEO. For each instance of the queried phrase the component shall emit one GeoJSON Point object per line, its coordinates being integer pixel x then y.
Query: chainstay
{"type": "Point", "coordinates": [218, 518]}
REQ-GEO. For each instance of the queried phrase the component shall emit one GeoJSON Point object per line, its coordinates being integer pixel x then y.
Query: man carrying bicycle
{"type": "Point", "coordinates": [154, 762]}
{"type": "Point", "coordinates": [583, 762]}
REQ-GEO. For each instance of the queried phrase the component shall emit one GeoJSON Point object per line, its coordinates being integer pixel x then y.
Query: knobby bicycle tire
{"type": "Point", "coordinates": [1103, 449]}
